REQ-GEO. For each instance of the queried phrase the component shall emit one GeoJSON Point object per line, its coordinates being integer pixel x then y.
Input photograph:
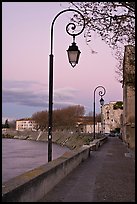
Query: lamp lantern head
{"type": "Point", "coordinates": [101, 101]}
{"type": "Point", "coordinates": [73, 54]}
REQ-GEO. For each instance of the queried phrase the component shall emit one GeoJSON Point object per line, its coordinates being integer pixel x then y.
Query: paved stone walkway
{"type": "Point", "coordinates": [107, 176]}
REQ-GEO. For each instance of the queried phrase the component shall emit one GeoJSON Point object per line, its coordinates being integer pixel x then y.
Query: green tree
{"type": "Point", "coordinates": [118, 105]}
{"type": "Point", "coordinates": [6, 123]}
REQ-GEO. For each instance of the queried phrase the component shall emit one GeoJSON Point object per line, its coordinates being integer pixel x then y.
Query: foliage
{"type": "Point", "coordinates": [41, 119]}
{"type": "Point", "coordinates": [114, 22]}
{"type": "Point", "coordinates": [12, 124]}
{"type": "Point", "coordinates": [6, 125]}
{"type": "Point", "coordinates": [118, 105]}
{"type": "Point", "coordinates": [62, 118]}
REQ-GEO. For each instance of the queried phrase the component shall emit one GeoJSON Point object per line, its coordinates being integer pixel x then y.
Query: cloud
{"type": "Point", "coordinates": [67, 93]}
{"type": "Point", "coordinates": [35, 94]}
{"type": "Point", "coordinates": [24, 93]}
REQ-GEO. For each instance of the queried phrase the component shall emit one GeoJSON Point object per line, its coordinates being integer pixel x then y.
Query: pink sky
{"type": "Point", "coordinates": [25, 62]}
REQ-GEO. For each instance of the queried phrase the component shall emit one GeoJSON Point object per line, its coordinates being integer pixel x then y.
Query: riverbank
{"type": "Point", "coordinates": [63, 138]}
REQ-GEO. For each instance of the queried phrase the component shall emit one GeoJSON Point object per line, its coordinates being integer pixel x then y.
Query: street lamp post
{"type": "Point", "coordinates": [73, 55]}
{"type": "Point", "coordinates": [101, 93]}
{"type": "Point", "coordinates": [101, 103]}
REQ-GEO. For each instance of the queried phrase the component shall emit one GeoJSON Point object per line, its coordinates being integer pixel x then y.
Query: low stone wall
{"type": "Point", "coordinates": [33, 185]}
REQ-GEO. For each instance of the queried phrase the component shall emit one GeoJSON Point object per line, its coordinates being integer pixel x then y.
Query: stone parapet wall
{"type": "Point", "coordinates": [33, 185]}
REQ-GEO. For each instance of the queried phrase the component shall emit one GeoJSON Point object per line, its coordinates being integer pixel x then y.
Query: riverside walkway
{"type": "Point", "coordinates": [108, 175]}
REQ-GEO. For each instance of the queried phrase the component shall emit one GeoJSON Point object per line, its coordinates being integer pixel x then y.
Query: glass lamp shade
{"type": "Point", "coordinates": [101, 101]}
{"type": "Point", "coordinates": [73, 54]}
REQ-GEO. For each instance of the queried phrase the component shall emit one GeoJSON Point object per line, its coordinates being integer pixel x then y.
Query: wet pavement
{"type": "Point", "coordinates": [108, 175]}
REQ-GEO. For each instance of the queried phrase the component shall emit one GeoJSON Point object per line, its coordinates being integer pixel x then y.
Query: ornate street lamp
{"type": "Point", "coordinates": [73, 55]}
{"type": "Point", "coordinates": [101, 93]}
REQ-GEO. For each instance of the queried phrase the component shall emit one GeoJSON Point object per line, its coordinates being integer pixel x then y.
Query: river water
{"type": "Point", "coordinates": [19, 156]}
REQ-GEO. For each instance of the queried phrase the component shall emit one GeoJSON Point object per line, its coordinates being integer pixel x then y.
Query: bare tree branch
{"type": "Point", "coordinates": [114, 22]}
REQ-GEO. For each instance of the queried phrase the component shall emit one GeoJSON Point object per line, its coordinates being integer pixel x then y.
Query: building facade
{"type": "Point", "coordinates": [111, 116]}
{"type": "Point", "coordinates": [25, 124]}
{"type": "Point", "coordinates": [85, 125]}
{"type": "Point", "coordinates": [128, 118]}
{"type": "Point", "coordinates": [110, 119]}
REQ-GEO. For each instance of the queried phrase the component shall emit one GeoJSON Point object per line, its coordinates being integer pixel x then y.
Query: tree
{"type": "Point", "coordinates": [12, 124]}
{"type": "Point", "coordinates": [6, 123]}
{"type": "Point", "coordinates": [114, 22]}
{"type": "Point", "coordinates": [65, 118]}
{"type": "Point", "coordinates": [98, 117]}
{"type": "Point", "coordinates": [118, 105]}
{"type": "Point", "coordinates": [41, 119]}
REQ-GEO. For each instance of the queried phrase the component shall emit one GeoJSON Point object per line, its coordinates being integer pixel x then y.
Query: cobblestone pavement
{"type": "Point", "coordinates": [108, 175]}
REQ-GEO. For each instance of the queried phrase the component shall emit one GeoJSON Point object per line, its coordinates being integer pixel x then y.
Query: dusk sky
{"type": "Point", "coordinates": [26, 28]}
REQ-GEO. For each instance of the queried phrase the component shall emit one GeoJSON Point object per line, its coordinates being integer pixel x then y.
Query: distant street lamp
{"type": "Point", "coordinates": [73, 56]}
{"type": "Point", "coordinates": [101, 103]}
{"type": "Point", "coordinates": [101, 93]}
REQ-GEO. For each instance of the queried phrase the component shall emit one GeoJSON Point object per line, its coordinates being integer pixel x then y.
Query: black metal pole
{"type": "Point", "coordinates": [101, 121]}
{"type": "Point", "coordinates": [50, 117]}
{"type": "Point", "coordinates": [50, 108]}
{"type": "Point", "coordinates": [94, 117]}
{"type": "Point", "coordinates": [100, 94]}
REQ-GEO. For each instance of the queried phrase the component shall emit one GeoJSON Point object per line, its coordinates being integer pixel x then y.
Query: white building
{"type": "Point", "coordinates": [89, 127]}
{"type": "Point", "coordinates": [86, 125]}
{"type": "Point", "coordinates": [25, 124]}
{"type": "Point", "coordinates": [111, 116]}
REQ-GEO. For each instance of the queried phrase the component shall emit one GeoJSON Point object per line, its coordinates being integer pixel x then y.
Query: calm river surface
{"type": "Point", "coordinates": [19, 156]}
